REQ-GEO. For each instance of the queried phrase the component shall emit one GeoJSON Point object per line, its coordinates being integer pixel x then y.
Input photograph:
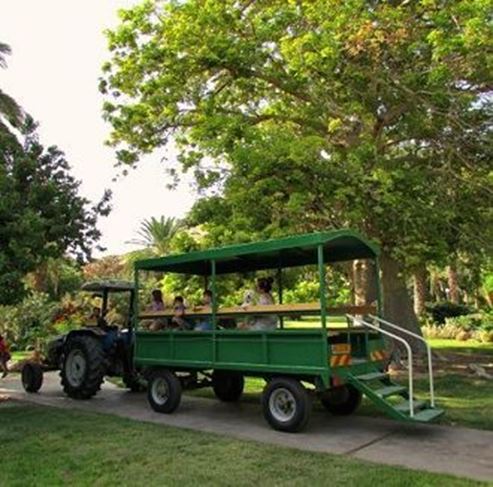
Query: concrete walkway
{"type": "Point", "coordinates": [458, 451]}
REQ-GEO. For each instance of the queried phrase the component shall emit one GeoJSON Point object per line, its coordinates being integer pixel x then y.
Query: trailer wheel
{"type": "Point", "coordinates": [227, 386]}
{"type": "Point", "coordinates": [32, 377]}
{"type": "Point", "coordinates": [164, 391]}
{"type": "Point", "coordinates": [286, 404]}
{"type": "Point", "coordinates": [341, 400]}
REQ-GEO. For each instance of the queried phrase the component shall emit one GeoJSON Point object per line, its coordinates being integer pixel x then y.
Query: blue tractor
{"type": "Point", "coordinates": [98, 349]}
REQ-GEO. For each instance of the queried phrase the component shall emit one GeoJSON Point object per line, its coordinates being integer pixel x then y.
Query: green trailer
{"type": "Point", "coordinates": [335, 363]}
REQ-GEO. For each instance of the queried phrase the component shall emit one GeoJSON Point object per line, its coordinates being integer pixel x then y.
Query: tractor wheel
{"type": "Point", "coordinates": [83, 367]}
{"type": "Point", "coordinates": [164, 391]}
{"type": "Point", "coordinates": [32, 377]}
{"type": "Point", "coordinates": [341, 400]}
{"type": "Point", "coordinates": [227, 386]}
{"type": "Point", "coordinates": [286, 404]}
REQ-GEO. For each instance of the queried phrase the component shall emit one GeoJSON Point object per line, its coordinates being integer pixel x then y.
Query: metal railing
{"type": "Point", "coordinates": [362, 322]}
{"type": "Point", "coordinates": [428, 352]}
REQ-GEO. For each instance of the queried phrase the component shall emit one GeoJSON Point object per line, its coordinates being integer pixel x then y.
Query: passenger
{"type": "Point", "coordinates": [178, 320]}
{"type": "Point", "coordinates": [264, 297]}
{"type": "Point", "coordinates": [157, 304]}
{"type": "Point", "coordinates": [4, 356]}
{"type": "Point", "coordinates": [204, 323]}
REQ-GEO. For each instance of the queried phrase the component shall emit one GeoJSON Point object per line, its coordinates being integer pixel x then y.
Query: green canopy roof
{"type": "Point", "coordinates": [108, 285]}
{"type": "Point", "coordinates": [339, 245]}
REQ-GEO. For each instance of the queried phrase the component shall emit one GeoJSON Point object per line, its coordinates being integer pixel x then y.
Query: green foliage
{"type": "Point", "coordinates": [440, 311]}
{"type": "Point", "coordinates": [29, 321]}
{"type": "Point", "coordinates": [158, 233]}
{"type": "Point", "coordinates": [42, 215]}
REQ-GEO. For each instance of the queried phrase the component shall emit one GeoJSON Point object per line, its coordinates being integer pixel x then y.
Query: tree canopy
{"type": "Point", "coordinates": [300, 115]}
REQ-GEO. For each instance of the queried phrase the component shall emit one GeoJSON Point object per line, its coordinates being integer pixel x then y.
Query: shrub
{"type": "Point", "coordinates": [469, 322]}
{"type": "Point", "coordinates": [441, 311]}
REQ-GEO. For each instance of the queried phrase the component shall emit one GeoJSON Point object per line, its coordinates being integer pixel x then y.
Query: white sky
{"type": "Point", "coordinates": [58, 48]}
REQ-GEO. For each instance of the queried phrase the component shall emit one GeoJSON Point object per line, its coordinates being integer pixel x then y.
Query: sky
{"type": "Point", "coordinates": [58, 47]}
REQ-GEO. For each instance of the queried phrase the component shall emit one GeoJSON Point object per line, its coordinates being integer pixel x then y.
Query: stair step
{"type": "Point", "coordinates": [427, 415]}
{"type": "Point", "coordinates": [404, 407]}
{"type": "Point", "coordinates": [372, 376]}
{"type": "Point", "coordinates": [389, 391]}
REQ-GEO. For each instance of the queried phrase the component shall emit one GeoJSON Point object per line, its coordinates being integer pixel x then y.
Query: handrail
{"type": "Point", "coordinates": [428, 351]}
{"type": "Point", "coordinates": [409, 356]}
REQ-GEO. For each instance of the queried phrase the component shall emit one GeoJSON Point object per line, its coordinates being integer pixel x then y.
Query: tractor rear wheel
{"type": "Point", "coordinates": [83, 367]}
{"type": "Point", "coordinates": [227, 386]}
{"type": "Point", "coordinates": [32, 377]}
{"type": "Point", "coordinates": [341, 400]}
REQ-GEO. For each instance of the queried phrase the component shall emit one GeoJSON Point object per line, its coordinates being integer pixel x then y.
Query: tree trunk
{"type": "Point", "coordinates": [453, 284]}
{"type": "Point", "coordinates": [420, 290]}
{"type": "Point", "coordinates": [397, 303]}
{"type": "Point", "coordinates": [364, 281]}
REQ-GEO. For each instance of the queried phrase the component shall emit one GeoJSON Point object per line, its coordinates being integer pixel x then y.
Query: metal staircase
{"type": "Point", "coordinates": [396, 400]}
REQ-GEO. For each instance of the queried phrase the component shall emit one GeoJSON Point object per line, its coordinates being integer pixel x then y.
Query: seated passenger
{"type": "Point", "coordinates": [264, 288]}
{"type": "Point", "coordinates": [204, 323]}
{"type": "Point", "coordinates": [263, 297]}
{"type": "Point", "coordinates": [178, 320]}
{"type": "Point", "coordinates": [157, 304]}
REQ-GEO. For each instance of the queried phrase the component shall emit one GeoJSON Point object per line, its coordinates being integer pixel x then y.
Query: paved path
{"type": "Point", "coordinates": [458, 451]}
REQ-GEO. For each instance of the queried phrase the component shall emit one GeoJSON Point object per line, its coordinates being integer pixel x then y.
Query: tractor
{"type": "Point", "coordinates": [86, 355]}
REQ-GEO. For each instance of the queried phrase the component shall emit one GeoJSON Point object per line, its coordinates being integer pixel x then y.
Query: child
{"type": "Point", "coordinates": [204, 324]}
{"type": "Point", "coordinates": [4, 356]}
{"type": "Point", "coordinates": [178, 319]}
{"type": "Point", "coordinates": [157, 304]}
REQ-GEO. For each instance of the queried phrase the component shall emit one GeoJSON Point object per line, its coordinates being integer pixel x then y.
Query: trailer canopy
{"type": "Point", "coordinates": [338, 246]}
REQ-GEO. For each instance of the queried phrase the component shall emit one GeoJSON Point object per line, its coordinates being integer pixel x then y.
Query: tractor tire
{"type": "Point", "coordinates": [83, 367]}
{"type": "Point", "coordinates": [227, 386]}
{"type": "Point", "coordinates": [286, 404]}
{"type": "Point", "coordinates": [32, 377]}
{"type": "Point", "coordinates": [341, 400]}
{"type": "Point", "coordinates": [164, 391]}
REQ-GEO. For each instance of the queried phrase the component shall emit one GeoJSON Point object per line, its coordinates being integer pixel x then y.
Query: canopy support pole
{"type": "Point", "coordinates": [214, 294]}
{"type": "Point", "coordinates": [279, 288]}
{"type": "Point", "coordinates": [379, 288]}
{"type": "Point", "coordinates": [321, 275]}
{"type": "Point", "coordinates": [135, 317]}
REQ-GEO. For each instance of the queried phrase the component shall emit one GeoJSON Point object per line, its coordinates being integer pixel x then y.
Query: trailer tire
{"type": "Point", "coordinates": [83, 367]}
{"type": "Point", "coordinates": [286, 404]}
{"type": "Point", "coordinates": [32, 377]}
{"type": "Point", "coordinates": [341, 400]}
{"type": "Point", "coordinates": [164, 391]}
{"type": "Point", "coordinates": [227, 386]}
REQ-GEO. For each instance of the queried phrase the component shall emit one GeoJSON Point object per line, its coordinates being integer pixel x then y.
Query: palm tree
{"type": "Point", "coordinates": [9, 109]}
{"type": "Point", "coordinates": [157, 233]}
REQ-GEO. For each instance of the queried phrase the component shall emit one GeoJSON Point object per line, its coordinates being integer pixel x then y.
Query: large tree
{"type": "Point", "coordinates": [42, 214]}
{"type": "Point", "coordinates": [317, 114]}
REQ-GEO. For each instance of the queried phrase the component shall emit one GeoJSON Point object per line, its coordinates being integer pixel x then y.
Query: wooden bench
{"type": "Point", "coordinates": [276, 309]}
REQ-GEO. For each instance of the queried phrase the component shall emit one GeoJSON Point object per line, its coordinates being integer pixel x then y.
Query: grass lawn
{"type": "Point", "coordinates": [44, 446]}
{"type": "Point", "coordinates": [467, 347]}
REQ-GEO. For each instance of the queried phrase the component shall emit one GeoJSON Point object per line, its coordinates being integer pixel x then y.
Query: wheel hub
{"type": "Point", "coordinates": [75, 367]}
{"type": "Point", "coordinates": [282, 404]}
{"type": "Point", "coordinates": [160, 391]}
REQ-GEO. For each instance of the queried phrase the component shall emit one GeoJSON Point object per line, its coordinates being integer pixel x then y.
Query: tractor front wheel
{"type": "Point", "coordinates": [32, 377]}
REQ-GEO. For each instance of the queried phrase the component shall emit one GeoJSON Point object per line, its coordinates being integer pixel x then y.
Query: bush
{"type": "Point", "coordinates": [469, 322]}
{"type": "Point", "coordinates": [440, 311]}
{"type": "Point", "coordinates": [477, 326]}
{"type": "Point", "coordinates": [25, 323]}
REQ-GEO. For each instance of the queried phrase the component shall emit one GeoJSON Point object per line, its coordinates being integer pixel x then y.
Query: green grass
{"type": "Point", "coordinates": [16, 356]}
{"type": "Point", "coordinates": [43, 446]}
{"type": "Point", "coordinates": [468, 347]}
